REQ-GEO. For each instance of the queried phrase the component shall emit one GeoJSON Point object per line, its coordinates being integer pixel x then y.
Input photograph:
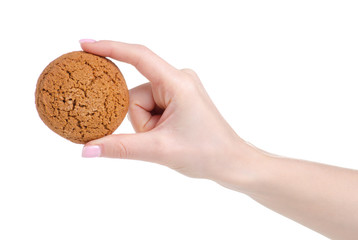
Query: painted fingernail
{"type": "Point", "coordinates": [91, 151]}
{"type": "Point", "coordinates": [87, 40]}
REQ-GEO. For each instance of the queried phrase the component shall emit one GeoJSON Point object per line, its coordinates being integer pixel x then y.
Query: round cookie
{"type": "Point", "coordinates": [82, 96]}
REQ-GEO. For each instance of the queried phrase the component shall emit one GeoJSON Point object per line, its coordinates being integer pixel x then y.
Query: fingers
{"type": "Point", "coordinates": [141, 106]}
{"type": "Point", "coordinates": [148, 63]}
{"type": "Point", "coordinates": [143, 146]}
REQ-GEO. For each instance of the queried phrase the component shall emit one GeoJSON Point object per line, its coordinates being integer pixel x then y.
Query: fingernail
{"type": "Point", "coordinates": [91, 151]}
{"type": "Point", "coordinates": [87, 41]}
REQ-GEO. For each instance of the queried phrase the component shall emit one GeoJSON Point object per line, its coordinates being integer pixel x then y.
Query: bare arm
{"type": "Point", "coordinates": [321, 197]}
{"type": "Point", "coordinates": [178, 126]}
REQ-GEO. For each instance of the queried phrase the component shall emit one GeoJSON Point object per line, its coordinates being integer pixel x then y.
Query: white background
{"type": "Point", "coordinates": [283, 74]}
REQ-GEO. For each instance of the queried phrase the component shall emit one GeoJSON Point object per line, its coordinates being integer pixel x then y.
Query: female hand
{"type": "Point", "coordinates": [177, 124]}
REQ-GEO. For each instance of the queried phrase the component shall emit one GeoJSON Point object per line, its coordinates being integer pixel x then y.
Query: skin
{"type": "Point", "coordinates": [177, 125]}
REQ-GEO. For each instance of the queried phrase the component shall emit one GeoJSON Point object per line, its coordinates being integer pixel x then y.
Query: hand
{"type": "Point", "coordinates": [177, 124]}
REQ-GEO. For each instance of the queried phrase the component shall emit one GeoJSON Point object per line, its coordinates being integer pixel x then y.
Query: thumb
{"type": "Point", "coordinates": [141, 146]}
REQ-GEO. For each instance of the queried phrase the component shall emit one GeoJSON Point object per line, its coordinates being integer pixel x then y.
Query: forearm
{"type": "Point", "coordinates": [321, 197]}
{"type": "Point", "coordinates": [179, 126]}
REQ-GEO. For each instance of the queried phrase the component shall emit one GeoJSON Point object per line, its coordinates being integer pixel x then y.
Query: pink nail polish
{"type": "Point", "coordinates": [91, 151]}
{"type": "Point", "coordinates": [87, 41]}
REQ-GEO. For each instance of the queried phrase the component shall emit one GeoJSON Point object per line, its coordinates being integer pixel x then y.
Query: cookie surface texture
{"type": "Point", "coordinates": [82, 96]}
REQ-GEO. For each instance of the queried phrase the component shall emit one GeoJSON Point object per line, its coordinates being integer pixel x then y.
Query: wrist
{"type": "Point", "coordinates": [242, 167]}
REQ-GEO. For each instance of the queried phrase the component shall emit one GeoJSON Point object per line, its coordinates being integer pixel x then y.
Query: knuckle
{"type": "Point", "coordinates": [190, 85]}
{"type": "Point", "coordinates": [190, 72]}
{"type": "Point", "coordinates": [190, 77]}
{"type": "Point", "coordinates": [142, 53]}
{"type": "Point", "coordinates": [111, 48]}
{"type": "Point", "coordinates": [190, 88]}
{"type": "Point", "coordinates": [141, 48]}
{"type": "Point", "coordinates": [121, 150]}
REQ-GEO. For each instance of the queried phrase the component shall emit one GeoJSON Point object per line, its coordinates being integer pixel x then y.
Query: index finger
{"type": "Point", "coordinates": [154, 68]}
